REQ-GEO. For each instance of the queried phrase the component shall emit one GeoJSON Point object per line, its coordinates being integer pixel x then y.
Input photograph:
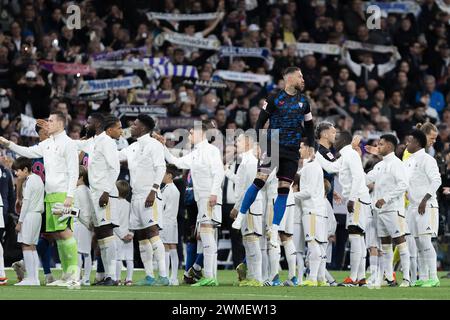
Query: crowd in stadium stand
{"type": "Point", "coordinates": [368, 92]}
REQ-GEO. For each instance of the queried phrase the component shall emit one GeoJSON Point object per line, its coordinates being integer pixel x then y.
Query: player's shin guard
{"type": "Point", "coordinates": [108, 252]}
{"type": "Point", "coordinates": [2, 263]}
{"type": "Point", "coordinates": [291, 257]}
{"type": "Point", "coordinates": [362, 264]}
{"type": "Point", "coordinates": [209, 251]}
{"type": "Point", "coordinates": [174, 262]}
{"type": "Point", "coordinates": [387, 261]}
{"type": "Point", "coordinates": [159, 252]}
{"type": "Point", "coordinates": [404, 260]}
{"type": "Point", "coordinates": [146, 251]}
{"type": "Point", "coordinates": [430, 257]}
{"type": "Point", "coordinates": [323, 262]}
{"type": "Point", "coordinates": [279, 207]}
{"type": "Point", "coordinates": [355, 255]}
{"type": "Point", "coordinates": [314, 259]}
{"type": "Point", "coordinates": [274, 261]}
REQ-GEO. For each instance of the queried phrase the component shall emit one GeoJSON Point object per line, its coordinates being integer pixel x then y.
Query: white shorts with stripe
{"type": "Point", "coordinates": [359, 215]}
{"type": "Point", "coordinates": [142, 217]}
{"type": "Point", "coordinates": [423, 224]}
{"type": "Point", "coordinates": [83, 237]}
{"type": "Point", "coordinates": [31, 228]}
{"type": "Point", "coordinates": [315, 228]}
{"type": "Point", "coordinates": [253, 222]}
{"type": "Point", "coordinates": [208, 214]}
{"type": "Point", "coordinates": [372, 240]}
{"type": "Point", "coordinates": [287, 223]}
{"type": "Point", "coordinates": [390, 224]}
{"type": "Point", "coordinates": [103, 215]}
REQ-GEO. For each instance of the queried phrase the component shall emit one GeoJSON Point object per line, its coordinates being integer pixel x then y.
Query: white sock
{"type": "Point", "coordinates": [254, 252]}
{"type": "Point", "coordinates": [248, 257]}
{"type": "Point", "coordinates": [264, 263]}
{"type": "Point", "coordinates": [159, 252]}
{"type": "Point", "coordinates": [323, 262]}
{"type": "Point", "coordinates": [28, 260]}
{"type": "Point", "coordinates": [118, 269]}
{"type": "Point", "coordinates": [314, 259]}
{"type": "Point", "coordinates": [2, 263]}
{"type": "Point", "coordinates": [362, 265]}
{"type": "Point", "coordinates": [87, 266]}
{"type": "Point", "coordinates": [146, 251]}
{"type": "Point", "coordinates": [412, 257]}
{"type": "Point", "coordinates": [388, 255]}
{"type": "Point", "coordinates": [274, 261]}
{"type": "Point", "coordinates": [300, 266]}
{"type": "Point", "coordinates": [80, 262]}
{"type": "Point", "coordinates": [130, 269]}
{"type": "Point", "coordinates": [404, 259]}
{"type": "Point", "coordinates": [429, 256]}
{"type": "Point", "coordinates": [291, 257]}
{"type": "Point", "coordinates": [373, 261]}
{"type": "Point", "coordinates": [209, 251]}
{"type": "Point", "coordinates": [355, 255]}
{"type": "Point", "coordinates": [36, 265]}
{"type": "Point", "coordinates": [174, 263]}
{"type": "Point", "coordinates": [108, 251]}
{"type": "Point", "coordinates": [423, 268]}
{"type": "Point", "coordinates": [167, 256]}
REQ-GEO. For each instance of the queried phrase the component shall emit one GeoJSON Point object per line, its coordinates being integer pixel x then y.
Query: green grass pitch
{"type": "Point", "coordinates": [226, 291]}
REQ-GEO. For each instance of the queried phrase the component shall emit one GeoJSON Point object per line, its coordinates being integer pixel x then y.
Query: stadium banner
{"type": "Point", "coordinates": [132, 110]}
{"type": "Point", "coordinates": [27, 126]}
{"type": "Point", "coordinates": [354, 45]}
{"type": "Point", "coordinates": [206, 84]}
{"type": "Point", "coordinates": [66, 68]}
{"type": "Point", "coordinates": [118, 54]}
{"type": "Point", "coordinates": [243, 76]}
{"type": "Point", "coordinates": [181, 17]}
{"type": "Point", "coordinates": [162, 96]}
{"type": "Point", "coordinates": [87, 97]}
{"type": "Point", "coordinates": [402, 7]}
{"type": "Point", "coordinates": [118, 64]}
{"type": "Point", "coordinates": [324, 48]}
{"type": "Point", "coordinates": [177, 70]}
{"type": "Point", "coordinates": [187, 41]}
{"type": "Point", "coordinates": [176, 122]}
{"type": "Point", "coordinates": [92, 86]}
{"type": "Point", "coordinates": [229, 51]}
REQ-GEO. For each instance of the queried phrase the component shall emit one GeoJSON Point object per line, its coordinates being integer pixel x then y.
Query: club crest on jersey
{"type": "Point", "coordinates": [300, 104]}
{"type": "Point", "coordinates": [330, 155]}
{"type": "Point", "coordinates": [264, 106]}
{"type": "Point", "coordinates": [281, 102]}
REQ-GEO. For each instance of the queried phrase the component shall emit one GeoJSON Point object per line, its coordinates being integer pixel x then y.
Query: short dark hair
{"type": "Point", "coordinates": [289, 70]}
{"type": "Point", "coordinates": [391, 139]}
{"type": "Point", "coordinates": [171, 169]}
{"type": "Point", "coordinates": [123, 187]}
{"type": "Point", "coordinates": [325, 125]}
{"type": "Point", "coordinates": [420, 137]}
{"type": "Point", "coordinates": [61, 116]}
{"type": "Point", "coordinates": [345, 138]}
{"type": "Point", "coordinates": [22, 163]}
{"type": "Point", "coordinates": [205, 125]}
{"type": "Point", "coordinates": [109, 121]}
{"type": "Point", "coordinates": [97, 116]}
{"type": "Point", "coordinates": [147, 121]}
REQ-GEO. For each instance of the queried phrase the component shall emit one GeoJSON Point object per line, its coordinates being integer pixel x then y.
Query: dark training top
{"type": "Point", "coordinates": [287, 113]}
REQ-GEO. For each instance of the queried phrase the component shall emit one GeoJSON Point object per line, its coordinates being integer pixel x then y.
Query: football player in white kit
{"type": "Point", "coordinates": [314, 215]}
{"type": "Point", "coordinates": [389, 177]}
{"type": "Point", "coordinates": [29, 225]}
{"type": "Point", "coordinates": [3, 278]}
{"type": "Point", "coordinates": [206, 165]}
{"type": "Point", "coordinates": [83, 225]}
{"type": "Point", "coordinates": [147, 166]}
{"type": "Point", "coordinates": [352, 179]}
{"type": "Point", "coordinates": [169, 225]}
{"type": "Point", "coordinates": [252, 226]}
{"type": "Point", "coordinates": [424, 181]}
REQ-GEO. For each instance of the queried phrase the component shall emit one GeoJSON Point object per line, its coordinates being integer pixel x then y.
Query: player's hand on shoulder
{"type": "Point", "coordinates": [159, 137]}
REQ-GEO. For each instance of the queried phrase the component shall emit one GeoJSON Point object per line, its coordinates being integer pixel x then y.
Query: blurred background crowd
{"type": "Point", "coordinates": [365, 92]}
